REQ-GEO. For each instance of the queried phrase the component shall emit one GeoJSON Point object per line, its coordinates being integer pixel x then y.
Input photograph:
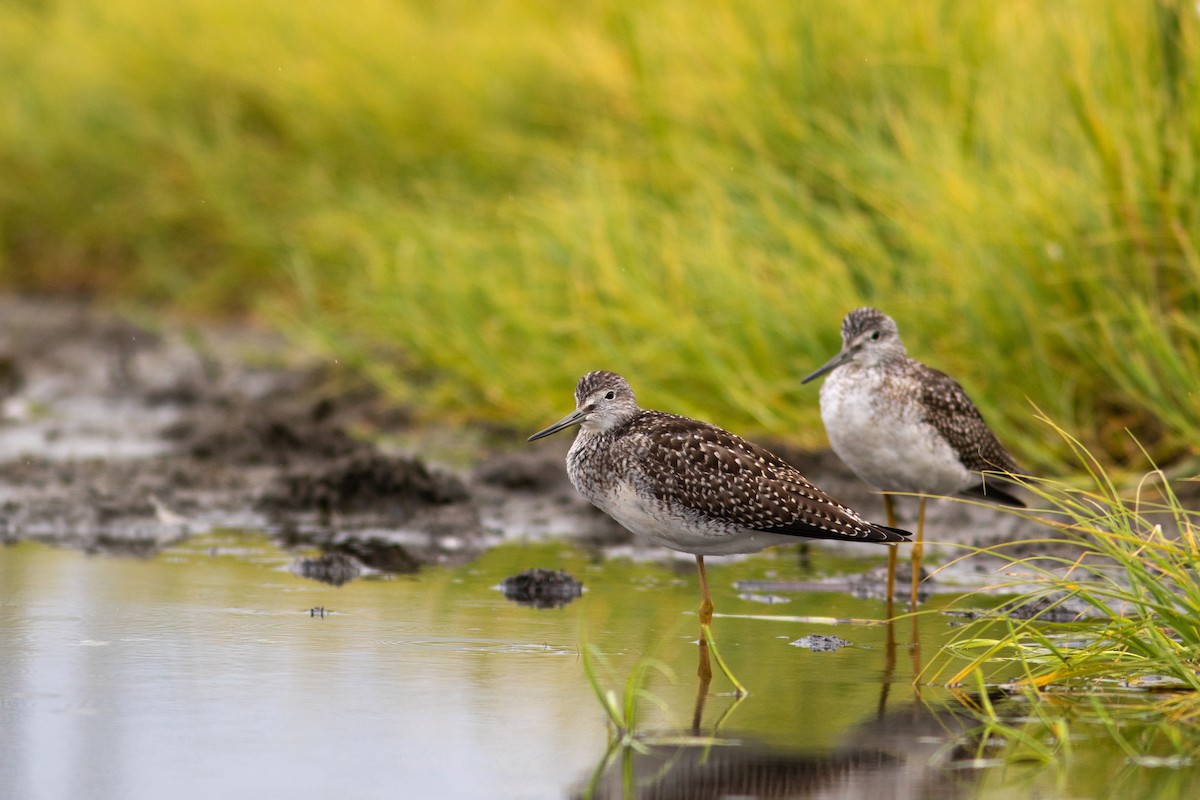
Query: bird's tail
{"type": "Point", "coordinates": [886, 534]}
{"type": "Point", "coordinates": [990, 491]}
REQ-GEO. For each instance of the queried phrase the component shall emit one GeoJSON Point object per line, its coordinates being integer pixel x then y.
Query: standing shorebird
{"type": "Point", "coordinates": [692, 486]}
{"type": "Point", "coordinates": [905, 427]}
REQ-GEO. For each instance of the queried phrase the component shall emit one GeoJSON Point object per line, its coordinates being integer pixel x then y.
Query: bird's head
{"type": "Point", "coordinates": [869, 337]}
{"type": "Point", "coordinates": [603, 400]}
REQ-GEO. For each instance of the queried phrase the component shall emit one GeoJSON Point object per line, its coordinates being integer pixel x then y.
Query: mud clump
{"type": "Point", "coordinates": [523, 472]}
{"type": "Point", "coordinates": [365, 482]}
{"type": "Point", "coordinates": [381, 554]}
{"type": "Point", "coordinates": [1056, 608]}
{"type": "Point", "coordinates": [275, 430]}
{"type": "Point", "coordinates": [334, 569]}
{"type": "Point", "coordinates": [542, 588]}
{"type": "Point", "coordinates": [388, 513]}
{"type": "Point", "coordinates": [821, 643]}
{"type": "Point", "coordinates": [11, 377]}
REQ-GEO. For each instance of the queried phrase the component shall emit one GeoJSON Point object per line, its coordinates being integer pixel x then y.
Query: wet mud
{"type": "Point", "coordinates": [542, 588]}
{"type": "Point", "coordinates": [115, 437]}
{"type": "Point", "coordinates": [122, 436]}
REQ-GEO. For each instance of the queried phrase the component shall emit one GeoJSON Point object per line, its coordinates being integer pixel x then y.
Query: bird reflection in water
{"type": "Point", "coordinates": [901, 753]}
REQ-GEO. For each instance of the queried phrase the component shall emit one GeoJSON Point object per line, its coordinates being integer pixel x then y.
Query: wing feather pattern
{"type": "Point", "coordinates": [726, 478]}
{"type": "Point", "coordinates": [956, 418]}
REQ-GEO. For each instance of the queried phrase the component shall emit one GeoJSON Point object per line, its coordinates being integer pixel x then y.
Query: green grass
{"type": "Point", "coordinates": [624, 712]}
{"type": "Point", "coordinates": [1078, 745]}
{"type": "Point", "coordinates": [476, 205]}
{"type": "Point", "coordinates": [1129, 564]}
{"type": "Point", "coordinates": [1128, 668]}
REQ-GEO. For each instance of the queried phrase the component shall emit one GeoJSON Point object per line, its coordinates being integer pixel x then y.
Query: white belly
{"type": "Point", "coordinates": [885, 441]}
{"type": "Point", "coordinates": [687, 532]}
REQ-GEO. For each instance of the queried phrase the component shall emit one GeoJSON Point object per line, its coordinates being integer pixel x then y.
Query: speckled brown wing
{"type": "Point", "coordinates": [956, 418]}
{"type": "Point", "coordinates": [726, 478]}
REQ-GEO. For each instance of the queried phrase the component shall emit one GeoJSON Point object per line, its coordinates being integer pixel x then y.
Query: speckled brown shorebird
{"type": "Point", "coordinates": [692, 486]}
{"type": "Point", "coordinates": [905, 427]}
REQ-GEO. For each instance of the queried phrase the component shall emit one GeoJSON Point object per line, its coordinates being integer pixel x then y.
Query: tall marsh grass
{"type": "Point", "coordinates": [477, 204]}
{"type": "Point", "coordinates": [1126, 569]}
{"type": "Point", "coordinates": [1127, 668]}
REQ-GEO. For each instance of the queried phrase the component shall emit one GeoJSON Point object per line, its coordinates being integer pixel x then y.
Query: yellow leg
{"type": "Point", "coordinates": [706, 603]}
{"type": "Point", "coordinates": [891, 580]}
{"type": "Point", "coordinates": [703, 672]}
{"type": "Point", "coordinates": [889, 667]}
{"type": "Point", "coordinates": [706, 638]}
{"type": "Point", "coordinates": [890, 510]}
{"type": "Point", "coordinates": [915, 655]}
{"type": "Point", "coordinates": [918, 551]}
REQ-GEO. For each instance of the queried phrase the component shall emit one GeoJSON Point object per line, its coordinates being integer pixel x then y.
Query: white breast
{"type": "Point", "coordinates": [879, 432]}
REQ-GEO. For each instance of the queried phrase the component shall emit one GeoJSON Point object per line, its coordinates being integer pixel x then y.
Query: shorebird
{"type": "Point", "coordinates": [904, 427]}
{"type": "Point", "coordinates": [692, 486]}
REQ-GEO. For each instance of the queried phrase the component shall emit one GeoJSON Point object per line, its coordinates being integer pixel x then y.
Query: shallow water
{"type": "Point", "coordinates": [203, 672]}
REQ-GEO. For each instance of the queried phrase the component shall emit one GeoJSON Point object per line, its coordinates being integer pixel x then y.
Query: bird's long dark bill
{"type": "Point", "coordinates": [833, 363]}
{"type": "Point", "coordinates": [569, 421]}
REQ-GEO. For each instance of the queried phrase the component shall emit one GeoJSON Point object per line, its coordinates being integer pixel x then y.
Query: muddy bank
{"type": "Point", "coordinates": [121, 437]}
{"type": "Point", "coordinates": [118, 437]}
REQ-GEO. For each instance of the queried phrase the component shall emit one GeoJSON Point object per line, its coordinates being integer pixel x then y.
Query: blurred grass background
{"type": "Point", "coordinates": [477, 203]}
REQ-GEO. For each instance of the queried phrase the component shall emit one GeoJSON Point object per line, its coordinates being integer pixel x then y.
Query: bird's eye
{"type": "Point", "coordinates": [610, 395]}
{"type": "Point", "coordinates": [875, 336]}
